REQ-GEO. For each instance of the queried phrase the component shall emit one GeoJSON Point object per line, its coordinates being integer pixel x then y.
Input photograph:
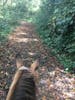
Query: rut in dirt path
{"type": "Point", "coordinates": [53, 84]}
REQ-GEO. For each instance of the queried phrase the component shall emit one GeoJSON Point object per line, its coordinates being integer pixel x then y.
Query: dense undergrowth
{"type": "Point", "coordinates": [56, 26]}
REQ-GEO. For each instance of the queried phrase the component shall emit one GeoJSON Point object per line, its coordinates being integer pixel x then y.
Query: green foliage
{"type": "Point", "coordinates": [12, 12]}
{"type": "Point", "coordinates": [56, 25]}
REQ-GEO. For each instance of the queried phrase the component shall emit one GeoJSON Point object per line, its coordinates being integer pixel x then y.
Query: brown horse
{"type": "Point", "coordinates": [23, 86]}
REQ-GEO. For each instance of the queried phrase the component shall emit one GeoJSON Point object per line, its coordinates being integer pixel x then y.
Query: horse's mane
{"type": "Point", "coordinates": [25, 88]}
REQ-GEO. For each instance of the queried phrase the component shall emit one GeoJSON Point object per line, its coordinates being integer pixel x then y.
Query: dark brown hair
{"type": "Point", "coordinates": [25, 88]}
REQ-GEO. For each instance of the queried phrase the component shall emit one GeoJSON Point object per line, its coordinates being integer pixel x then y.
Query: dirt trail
{"type": "Point", "coordinates": [54, 83]}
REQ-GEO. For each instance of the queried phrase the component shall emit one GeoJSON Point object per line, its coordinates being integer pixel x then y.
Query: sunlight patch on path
{"type": "Point", "coordinates": [31, 53]}
{"type": "Point", "coordinates": [22, 33]}
{"type": "Point", "coordinates": [25, 40]}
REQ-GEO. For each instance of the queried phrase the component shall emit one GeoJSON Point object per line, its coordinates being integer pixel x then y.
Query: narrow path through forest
{"type": "Point", "coordinates": [53, 83]}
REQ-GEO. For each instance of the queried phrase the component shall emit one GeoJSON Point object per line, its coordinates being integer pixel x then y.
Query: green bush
{"type": "Point", "coordinates": [56, 25]}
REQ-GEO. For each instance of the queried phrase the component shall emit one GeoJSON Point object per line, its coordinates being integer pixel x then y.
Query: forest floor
{"type": "Point", "coordinates": [53, 82]}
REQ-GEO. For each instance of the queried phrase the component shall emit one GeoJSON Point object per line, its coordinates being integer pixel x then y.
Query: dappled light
{"type": "Point", "coordinates": [23, 34]}
{"type": "Point", "coordinates": [53, 81]}
{"type": "Point", "coordinates": [26, 40]}
{"type": "Point", "coordinates": [31, 53]}
{"type": "Point", "coordinates": [42, 30]}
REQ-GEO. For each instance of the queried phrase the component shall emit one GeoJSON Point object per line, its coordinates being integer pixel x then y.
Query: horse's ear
{"type": "Point", "coordinates": [19, 61]}
{"type": "Point", "coordinates": [34, 65]}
